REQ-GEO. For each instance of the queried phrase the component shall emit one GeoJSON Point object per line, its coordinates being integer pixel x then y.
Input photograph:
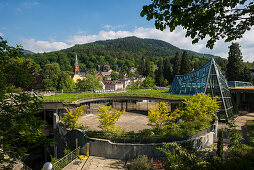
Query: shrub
{"type": "Point", "coordinates": [108, 118]}
{"type": "Point", "coordinates": [159, 116]}
{"type": "Point", "coordinates": [140, 163]}
{"type": "Point", "coordinates": [199, 109]}
{"type": "Point", "coordinates": [72, 116]}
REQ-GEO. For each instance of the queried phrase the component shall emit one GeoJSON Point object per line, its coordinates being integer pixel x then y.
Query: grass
{"type": "Point", "coordinates": [70, 97]}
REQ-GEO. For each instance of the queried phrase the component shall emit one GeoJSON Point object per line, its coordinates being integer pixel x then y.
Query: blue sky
{"type": "Point", "coordinates": [49, 25]}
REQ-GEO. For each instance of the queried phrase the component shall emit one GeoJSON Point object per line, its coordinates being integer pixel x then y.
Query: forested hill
{"type": "Point", "coordinates": [118, 53]}
{"type": "Point", "coordinates": [130, 47]}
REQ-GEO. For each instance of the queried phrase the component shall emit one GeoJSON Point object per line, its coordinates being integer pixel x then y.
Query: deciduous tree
{"type": "Point", "coordinates": [223, 19]}
{"type": "Point", "coordinates": [20, 129]}
{"type": "Point", "coordinates": [199, 108]}
{"type": "Point", "coordinates": [159, 116]}
{"type": "Point", "coordinates": [108, 118]}
{"type": "Point", "coordinates": [72, 116]}
{"type": "Point", "coordinates": [149, 82]}
{"type": "Point", "coordinates": [91, 82]}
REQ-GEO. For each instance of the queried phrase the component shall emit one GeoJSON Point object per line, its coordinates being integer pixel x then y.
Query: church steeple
{"type": "Point", "coordinates": [76, 66]}
{"type": "Point", "coordinates": [76, 60]}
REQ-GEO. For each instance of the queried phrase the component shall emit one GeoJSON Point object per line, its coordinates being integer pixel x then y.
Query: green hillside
{"type": "Point", "coordinates": [118, 53]}
{"type": "Point", "coordinates": [133, 46]}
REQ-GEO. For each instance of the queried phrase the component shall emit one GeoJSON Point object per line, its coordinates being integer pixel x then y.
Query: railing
{"type": "Point", "coordinates": [64, 161]}
{"type": "Point", "coordinates": [25, 167]}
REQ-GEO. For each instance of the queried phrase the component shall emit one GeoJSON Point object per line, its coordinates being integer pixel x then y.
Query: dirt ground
{"type": "Point", "coordinates": [129, 121]}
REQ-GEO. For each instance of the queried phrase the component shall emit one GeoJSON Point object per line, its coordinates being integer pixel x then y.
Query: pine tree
{"type": "Point", "coordinates": [167, 70]}
{"type": "Point", "coordinates": [177, 64]}
{"type": "Point", "coordinates": [234, 66]}
{"type": "Point", "coordinates": [147, 67]}
{"type": "Point", "coordinates": [247, 75]}
{"type": "Point", "coordinates": [185, 64]}
{"type": "Point", "coordinates": [159, 74]}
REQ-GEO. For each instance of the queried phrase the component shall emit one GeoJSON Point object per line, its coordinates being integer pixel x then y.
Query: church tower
{"type": "Point", "coordinates": [76, 66]}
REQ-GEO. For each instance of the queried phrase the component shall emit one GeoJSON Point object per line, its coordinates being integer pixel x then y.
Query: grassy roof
{"type": "Point", "coordinates": [70, 97]}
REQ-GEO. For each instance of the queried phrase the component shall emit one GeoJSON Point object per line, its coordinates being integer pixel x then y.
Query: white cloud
{"type": "Point", "coordinates": [111, 27]}
{"type": "Point", "coordinates": [1, 34]}
{"type": "Point", "coordinates": [176, 38]}
{"type": "Point", "coordinates": [43, 46]}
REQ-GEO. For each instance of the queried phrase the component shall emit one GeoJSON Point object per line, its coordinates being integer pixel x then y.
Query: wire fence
{"type": "Point", "coordinates": [64, 161]}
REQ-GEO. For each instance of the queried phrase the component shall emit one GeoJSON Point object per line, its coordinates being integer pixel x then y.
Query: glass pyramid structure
{"type": "Point", "coordinates": [209, 80]}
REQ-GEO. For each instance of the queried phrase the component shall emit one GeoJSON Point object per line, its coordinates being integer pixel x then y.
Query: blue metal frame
{"type": "Point", "coordinates": [209, 80]}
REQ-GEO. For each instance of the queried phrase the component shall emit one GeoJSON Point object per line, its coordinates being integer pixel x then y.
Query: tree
{"type": "Point", "coordinates": [159, 74]}
{"type": "Point", "coordinates": [227, 20]}
{"type": "Point", "coordinates": [20, 129]}
{"type": "Point", "coordinates": [108, 118]}
{"type": "Point", "coordinates": [149, 82]}
{"type": "Point", "coordinates": [220, 152]}
{"type": "Point", "coordinates": [51, 75]}
{"type": "Point", "coordinates": [167, 70]}
{"type": "Point", "coordinates": [147, 67]}
{"type": "Point", "coordinates": [199, 108]}
{"type": "Point", "coordinates": [177, 64]}
{"type": "Point", "coordinates": [159, 116]}
{"type": "Point", "coordinates": [6, 54]}
{"type": "Point", "coordinates": [72, 116]}
{"type": "Point", "coordinates": [185, 64]}
{"type": "Point", "coordinates": [234, 66]}
{"type": "Point", "coordinates": [114, 75]}
{"type": "Point", "coordinates": [247, 75]}
{"type": "Point", "coordinates": [91, 82]}
{"type": "Point", "coordinates": [23, 73]}
{"type": "Point", "coordinates": [65, 82]}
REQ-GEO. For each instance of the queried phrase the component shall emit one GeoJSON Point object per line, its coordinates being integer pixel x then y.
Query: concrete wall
{"type": "Point", "coordinates": [108, 149]}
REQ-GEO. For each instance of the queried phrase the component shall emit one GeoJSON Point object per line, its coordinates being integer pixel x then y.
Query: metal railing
{"type": "Point", "coordinates": [64, 161]}
{"type": "Point", "coordinates": [25, 167]}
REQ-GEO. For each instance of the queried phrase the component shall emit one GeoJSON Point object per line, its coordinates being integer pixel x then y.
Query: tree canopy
{"type": "Point", "coordinates": [234, 66]}
{"type": "Point", "coordinates": [91, 82]}
{"type": "Point", "coordinates": [223, 19]}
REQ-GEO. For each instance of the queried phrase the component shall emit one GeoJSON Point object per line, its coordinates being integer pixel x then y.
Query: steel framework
{"type": "Point", "coordinates": [209, 80]}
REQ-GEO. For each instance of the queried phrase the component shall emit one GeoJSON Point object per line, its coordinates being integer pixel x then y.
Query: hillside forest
{"type": "Point", "coordinates": [153, 58]}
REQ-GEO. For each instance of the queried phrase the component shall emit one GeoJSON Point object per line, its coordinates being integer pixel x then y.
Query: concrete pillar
{"type": "Point", "coordinates": [87, 149]}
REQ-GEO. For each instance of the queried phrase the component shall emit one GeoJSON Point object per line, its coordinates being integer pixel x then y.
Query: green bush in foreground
{"type": "Point", "coordinates": [140, 163]}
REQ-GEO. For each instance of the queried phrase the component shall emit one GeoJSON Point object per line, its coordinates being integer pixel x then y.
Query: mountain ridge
{"type": "Point", "coordinates": [161, 48]}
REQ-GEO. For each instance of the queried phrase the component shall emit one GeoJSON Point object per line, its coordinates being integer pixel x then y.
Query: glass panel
{"type": "Point", "coordinates": [213, 83]}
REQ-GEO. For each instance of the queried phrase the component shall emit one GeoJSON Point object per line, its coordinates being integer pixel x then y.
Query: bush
{"type": "Point", "coordinates": [140, 163]}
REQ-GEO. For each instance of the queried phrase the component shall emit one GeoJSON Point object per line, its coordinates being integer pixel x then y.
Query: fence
{"type": "Point", "coordinates": [25, 167]}
{"type": "Point", "coordinates": [64, 161]}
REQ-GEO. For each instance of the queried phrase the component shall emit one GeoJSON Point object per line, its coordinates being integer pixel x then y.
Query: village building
{"type": "Point", "coordinates": [113, 85]}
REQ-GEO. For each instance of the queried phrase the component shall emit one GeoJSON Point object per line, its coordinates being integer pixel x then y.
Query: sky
{"type": "Point", "coordinates": [50, 25]}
